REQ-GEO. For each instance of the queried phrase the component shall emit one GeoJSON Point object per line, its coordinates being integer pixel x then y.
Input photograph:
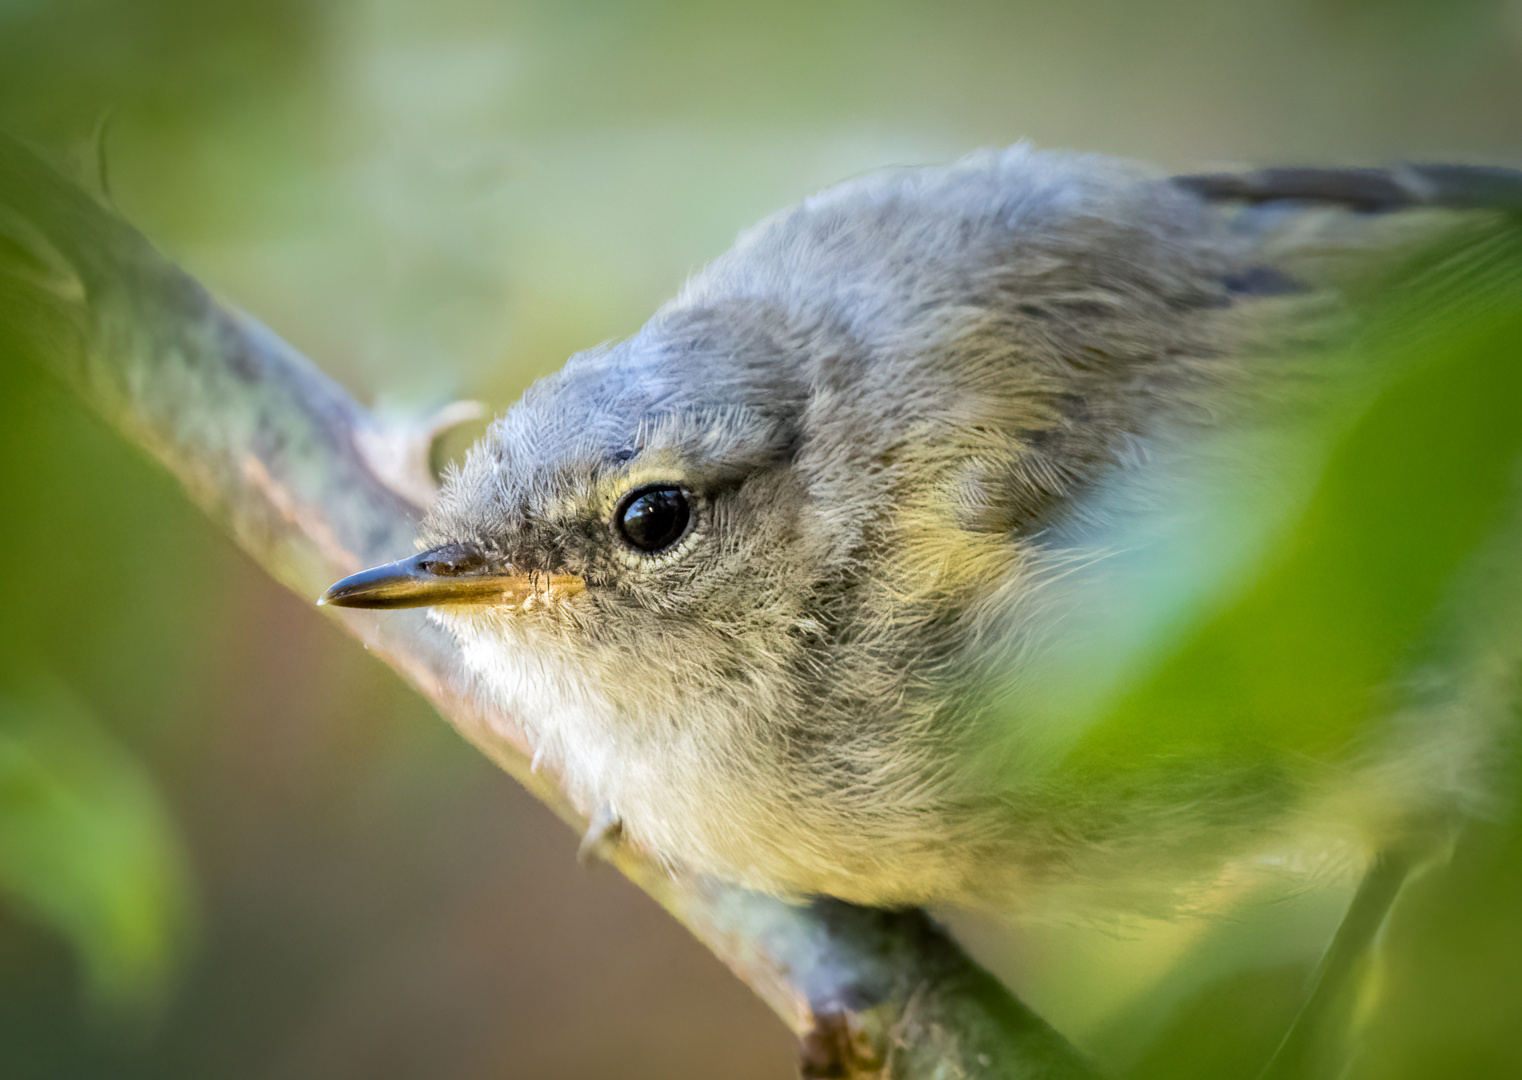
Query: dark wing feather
{"type": "Point", "coordinates": [1460, 187]}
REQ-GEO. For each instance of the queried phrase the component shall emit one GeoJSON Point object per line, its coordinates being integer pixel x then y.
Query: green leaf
{"type": "Point", "coordinates": [88, 850]}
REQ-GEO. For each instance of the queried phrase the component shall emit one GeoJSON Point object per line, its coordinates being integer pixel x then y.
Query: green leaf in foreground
{"type": "Point", "coordinates": [1296, 656]}
{"type": "Point", "coordinates": [87, 849]}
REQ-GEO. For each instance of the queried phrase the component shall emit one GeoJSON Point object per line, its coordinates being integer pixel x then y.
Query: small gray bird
{"type": "Point", "coordinates": [773, 583]}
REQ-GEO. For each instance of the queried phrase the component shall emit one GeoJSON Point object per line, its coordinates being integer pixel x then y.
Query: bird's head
{"type": "Point", "coordinates": [819, 457]}
{"type": "Point", "coordinates": [641, 502]}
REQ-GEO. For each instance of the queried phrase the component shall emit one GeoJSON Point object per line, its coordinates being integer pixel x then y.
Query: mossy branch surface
{"type": "Point", "coordinates": [284, 459]}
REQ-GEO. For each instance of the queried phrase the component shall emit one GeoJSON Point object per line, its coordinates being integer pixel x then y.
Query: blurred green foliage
{"type": "Point", "coordinates": [1354, 595]}
{"type": "Point", "coordinates": [87, 848]}
{"type": "Point", "coordinates": [1421, 472]}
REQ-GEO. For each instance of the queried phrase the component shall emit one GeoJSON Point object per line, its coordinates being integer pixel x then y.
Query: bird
{"type": "Point", "coordinates": [777, 586]}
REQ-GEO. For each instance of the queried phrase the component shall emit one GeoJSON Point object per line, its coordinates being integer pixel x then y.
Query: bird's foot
{"type": "Point", "coordinates": [604, 833]}
{"type": "Point", "coordinates": [837, 1048]}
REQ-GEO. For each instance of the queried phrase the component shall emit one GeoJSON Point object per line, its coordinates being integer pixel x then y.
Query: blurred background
{"type": "Point", "coordinates": [231, 844]}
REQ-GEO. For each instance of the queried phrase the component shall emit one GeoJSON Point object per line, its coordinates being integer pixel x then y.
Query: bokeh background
{"type": "Point", "coordinates": [231, 844]}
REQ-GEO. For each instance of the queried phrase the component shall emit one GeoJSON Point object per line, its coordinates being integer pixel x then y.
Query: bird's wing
{"type": "Point", "coordinates": [1457, 187]}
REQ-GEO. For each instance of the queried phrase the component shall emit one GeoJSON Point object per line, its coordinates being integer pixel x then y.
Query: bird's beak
{"type": "Point", "coordinates": [452, 574]}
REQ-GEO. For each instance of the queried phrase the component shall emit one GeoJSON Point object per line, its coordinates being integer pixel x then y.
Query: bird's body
{"type": "Point", "coordinates": [786, 561]}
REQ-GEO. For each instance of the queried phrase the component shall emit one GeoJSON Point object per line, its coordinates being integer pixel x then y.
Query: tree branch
{"type": "Point", "coordinates": [307, 482]}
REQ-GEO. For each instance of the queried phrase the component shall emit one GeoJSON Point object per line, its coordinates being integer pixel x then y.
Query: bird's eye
{"type": "Point", "coordinates": [652, 519]}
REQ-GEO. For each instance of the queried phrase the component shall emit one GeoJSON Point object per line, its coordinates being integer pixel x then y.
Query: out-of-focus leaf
{"type": "Point", "coordinates": [1447, 1002]}
{"type": "Point", "coordinates": [1294, 657]}
{"type": "Point", "coordinates": [1264, 639]}
{"type": "Point", "coordinates": [87, 848]}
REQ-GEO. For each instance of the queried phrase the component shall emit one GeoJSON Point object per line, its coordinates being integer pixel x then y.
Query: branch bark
{"type": "Point", "coordinates": [286, 461]}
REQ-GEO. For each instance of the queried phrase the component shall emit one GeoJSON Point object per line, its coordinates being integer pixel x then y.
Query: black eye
{"type": "Point", "coordinates": [652, 519]}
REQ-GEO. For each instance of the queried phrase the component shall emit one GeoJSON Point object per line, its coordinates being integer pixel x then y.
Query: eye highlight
{"type": "Point", "coordinates": [651, 519]}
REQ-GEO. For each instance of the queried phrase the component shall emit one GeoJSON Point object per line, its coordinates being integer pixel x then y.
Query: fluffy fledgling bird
{"type": "Point", "coordinates": [774, 584]}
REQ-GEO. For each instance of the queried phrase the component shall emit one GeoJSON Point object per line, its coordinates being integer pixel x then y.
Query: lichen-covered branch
{"type": "Point", "coordinates": [297, 471]}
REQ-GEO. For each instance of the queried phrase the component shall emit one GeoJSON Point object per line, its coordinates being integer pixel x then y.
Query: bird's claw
{"type": "Point", "coordinates": [605, 831]}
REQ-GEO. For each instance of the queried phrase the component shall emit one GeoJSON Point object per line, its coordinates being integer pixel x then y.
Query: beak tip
{"type": "Point", "coordinates": [394, 585]}
{"type": "Point", "coordinates": [345, 593]}
{"type": "Point", "coordinates": [418, 582]}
